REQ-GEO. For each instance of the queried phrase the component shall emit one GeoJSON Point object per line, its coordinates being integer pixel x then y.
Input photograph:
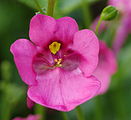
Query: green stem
{"type": "Point", "coordinates": [64, 115]}
{"type": "Point", "coordinates": [80, 115]}
{"type": "Point", "coordinates": [86, 13]}
{"type": "Point", "coordinates": [40, 110]}
{"type": "Point", "coordinates": [98, 25]}
{"type": "Point", "coordinates": [109, 34]}
{"type": "Point", "coordinates": [51, 5]}
{"type": "Point", "coordinates": [38, 6]}
{"type": "Point", "coordinates": [98, 109]}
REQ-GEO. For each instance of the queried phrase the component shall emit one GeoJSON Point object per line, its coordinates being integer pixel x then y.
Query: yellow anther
{"type": "Point", "coordinates": [54, 47]}
{"type": "Point", "coordinates": [58, 62]}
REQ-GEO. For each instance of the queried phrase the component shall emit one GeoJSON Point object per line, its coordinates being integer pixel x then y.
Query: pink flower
{"type": "Point", "coordinates": [106, 67]}
{"type": "Point", "coordinates": [30, 117]}
{"type": "Point", "coordinates": [122, 33]}
{"type": "Point", "coordinates": [124, 28]}
{"type": "Point", "coordinates": [58, 63]}
{"type": "Point", "coordinates": [125, 25]}
{"type": "Point", "coordinates": [123, 5]}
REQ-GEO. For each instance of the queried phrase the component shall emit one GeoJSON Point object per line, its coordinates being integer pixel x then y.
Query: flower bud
{"type": "Point", "coordinates": [109, 13]}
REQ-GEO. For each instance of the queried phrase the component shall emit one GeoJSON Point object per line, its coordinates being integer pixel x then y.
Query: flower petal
{"type": "Point", "coordinates": [42, 29]}
{"type": "Point", "coordinates": [30, 117]}
{"type": "Point", "coordinates": [23, 51]}
{"type": "Point", "coordinates": [86, 44]}
{"type": "Point", "coordinates": [105, 78]}
{"type": "Point", "coordinates": [123, 6]}
{"type": "Point", "coordinates": [63, 90]}
{"type": "Point", "coordinates": [121, 34]}
{"type": "Point", "coordinates": [29, 102]}
{"type": "Point", "coordinates": [71, 61]}
{"type": "Point", "coordinates": [106, 60]}
{"type": "Point", "coordinates": [66, 28]}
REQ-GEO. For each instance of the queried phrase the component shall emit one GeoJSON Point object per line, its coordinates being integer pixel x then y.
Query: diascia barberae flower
{"type": "Point", "coordinates": [107, 66]}
{"type": "Point", "coordinates": [58, 63]}
{"type": "Point", "coordinates": [124, 6]}
{"type": "Point", "coordinates": [124, 24]}
{"type": "Point", "coordinates": [30, 117]}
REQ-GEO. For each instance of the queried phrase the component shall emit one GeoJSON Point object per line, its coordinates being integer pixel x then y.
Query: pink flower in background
{"type": "Point", "coordinates": [106, 67]}
{"type": "Point", "coordinates": [30, 117]}
{"type": "Point", "coordinates": [58, 63]}
{"type": "Point", "coordinates": [125, 23]}
{"type": "Point", "coordinates": [122, 33]}
{"type": "Point", "coordinates": [124, 6]}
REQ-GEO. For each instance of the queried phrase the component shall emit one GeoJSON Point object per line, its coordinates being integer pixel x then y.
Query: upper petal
{"type": "Point", "coordinates": [23, 51]}
{"type": "Point", "coordinates": [86, 44]}
{"type": "Point", "coordinates": [66, 28]}
{"type": "Point", "coordinates": [62, 90]}
{"type": "Point", "coordinates": [42, 28]}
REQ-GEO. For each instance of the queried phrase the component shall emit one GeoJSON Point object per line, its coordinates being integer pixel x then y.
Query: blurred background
{"type": "Point", "coordinates": [15, 17]}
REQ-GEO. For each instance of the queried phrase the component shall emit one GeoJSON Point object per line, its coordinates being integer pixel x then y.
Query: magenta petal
{"type": "Point", "coordinates": [42, 29]}
{"type": "Point", "coordinates": [30, 117]}
{"type": "Point", "coordinates": [71, 62]}
{"type": "Point", "coordinates": [87, 45]}
{"type": "Point", "coordinates": [62, 90]}
{"type": "Point", "coordinates": [23, 51]}
{"type": "Point", "coordinates": [107, 59]}
{"type": "Point", "coordinates": [105, 78]}
{"type": "Point", "coordinates": [66, 28]}
{"type": "Point", "coordinates": [30, 103]}
{"type": "Point", "coordinates": [121, 34]}
{"type": "Point", "coordinates": [123, 6]}
{"type": "Point", "coordinates": [107, 66]}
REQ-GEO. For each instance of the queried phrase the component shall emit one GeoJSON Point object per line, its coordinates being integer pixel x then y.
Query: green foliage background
{"type": "Point", "coordinates": [15, 16]}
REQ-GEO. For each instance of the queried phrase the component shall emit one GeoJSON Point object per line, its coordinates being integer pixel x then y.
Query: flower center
{"type": "Point", "coordinates": [54, 47]}
{"type": "Point", "coordinates": [58, 62]}
{"type": "Point", "coordinates": [55, 57]}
